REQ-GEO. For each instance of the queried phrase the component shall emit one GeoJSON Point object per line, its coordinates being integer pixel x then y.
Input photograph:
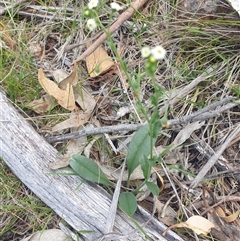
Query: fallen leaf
{"type": "Point", "coordinates": [166, 215]}
{"type": "Point", "coordinates": [65, 98]}
{"type": "Point", "coordinates": [232, 217]}
{"type": "Point", "coordinates": [196, 223]}
{"type": "Point", "coordinates": [59, 75]}
{"type": "Point", "coordinates": [6, 38]}
{"type": "Point", "coordinates": [229, 218]}
{"type": "Point", "coordinates": [75, 146]}
{"type": "Point", "coordinates": [185, 133]}
{"type": "Point", "coordinates": [70, 79]}
{"type": "Point", "coordinates": [42, 105]}
{"type": "Point", "coordinates": [84, 99]}
{"type": "Point", "coordinates": [98, 62]}
{"type": "Point", "coordinates": [35, 49]}
{"type": "Point", "coordinates": [75, 120]}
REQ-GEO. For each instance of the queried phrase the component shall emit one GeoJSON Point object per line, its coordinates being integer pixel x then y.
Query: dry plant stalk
{"type": "Point", "coordinates": [215, 157]}
{"type": "Point", "coordinates": [122, 18]}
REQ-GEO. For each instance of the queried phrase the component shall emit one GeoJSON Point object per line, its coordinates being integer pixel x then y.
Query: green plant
{"type": "Point", "coordinates": [141, 148]}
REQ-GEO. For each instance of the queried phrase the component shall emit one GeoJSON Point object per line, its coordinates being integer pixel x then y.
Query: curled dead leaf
{"type": "Point", "coordinates": [98, 62]}
{"type": "Point", "coordinates": [65, 98]}
{"type": "Point", "coordinates": [42, 105]}
{"type": "Point", "coordinates": [229, 218]}
{"type": "Point", "coordinates": [71, 79]}
{"type": "Point", "coordinates": [198, 224]}
{"type": "Point", "coordinates": [75, 120]}
{"type": "Point", "coordinates": [84, 99]}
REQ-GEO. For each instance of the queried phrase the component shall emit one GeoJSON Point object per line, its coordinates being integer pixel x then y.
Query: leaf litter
{"type": "Point", "coordinates": [76, 95]}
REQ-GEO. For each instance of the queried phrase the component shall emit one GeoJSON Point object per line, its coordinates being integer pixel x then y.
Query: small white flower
{"type": "Point", "coordinates": [158, 52]}
{"type": "Point", "coordinates": [145, 51]}
{"type": "Point", "coordinates": [92, 4]}
{"type": "Point", "coordinates": [115, 6]}
{"type": "Point", "coordinates": [91, 24]}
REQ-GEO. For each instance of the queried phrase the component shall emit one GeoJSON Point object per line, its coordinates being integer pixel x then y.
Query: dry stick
{"type": "Point", "coordinates": [214, 158]}
{"type": "Point", "coordinates": [45, 16]}
{"type": "Point", "coordinates": [12, 5]}
{"type": "Point", "coordinates": [113, 208]}
{"type": "Point", "coordinates": [122, 18]}
{"type": "Point", "coordinates": [222, 199]}
{"type": "Point", "coordinates": [196, 116]}
{"type": "Point", "coordinates": [203, 114]}
{"type": "Point", "coordinates": [95, 131]}
{"type": "Point", "coordinates": [181, 92]}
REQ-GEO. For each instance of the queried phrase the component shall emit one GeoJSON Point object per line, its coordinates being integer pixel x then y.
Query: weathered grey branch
{"type": "Point", "coordinates": [85, 207]}
{"type": "Point", "coordinates": [200, 115]}
{"type": "Point", "coordinates": [214, 158]}
{"type": "Point", "coordinates": [11, 6]}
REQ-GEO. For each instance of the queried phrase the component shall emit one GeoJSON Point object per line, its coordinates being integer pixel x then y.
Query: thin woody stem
{"type": "Point", "coordinates": [201, 115]}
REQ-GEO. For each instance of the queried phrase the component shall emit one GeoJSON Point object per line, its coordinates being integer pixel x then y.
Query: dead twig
{"type": "Point", "coordinates": [196, 116]}
{"type": "Point", "coordinates": [215, 157]}
{"type": "Point", "coordinates": [113, 208]}
{"type": "Point", "coordinates": [221, 200]}
{"type": "Point", "coordinates": [11, 6]}
{"type": "Point", "coordinates": [122, 18]}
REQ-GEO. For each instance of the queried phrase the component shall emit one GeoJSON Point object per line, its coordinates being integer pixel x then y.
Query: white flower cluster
{"type": "Point", "coordinates": [91, 23]}
{"type": "Point", "coordinates": [92, 4]}
{"type": "Point", "coordinates": [115, 6]}
{"type": "Point", "coordinates": [157, 52]}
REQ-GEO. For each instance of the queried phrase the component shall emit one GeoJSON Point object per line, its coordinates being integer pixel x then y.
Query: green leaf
{"type": "Point", "coordinates": [153, 188]}
{"type": "Point", "coordinates": [156, 128]}
{"type": "Point", "coordinates": [88, 169]}
{"type": "Point", "coordinates": [155, 160]}
{"type": "Point", "coordinates": [156, 125]}
{"type": "Point", "coordinates": [139, 145]}
{"type": "Point", "coordinates": [127, 201]}
{"type": "Point", "coordinates": [145, 166]}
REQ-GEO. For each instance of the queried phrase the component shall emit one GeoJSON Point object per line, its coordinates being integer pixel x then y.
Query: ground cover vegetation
{"type": "Point", "coordinates": [171, 71]}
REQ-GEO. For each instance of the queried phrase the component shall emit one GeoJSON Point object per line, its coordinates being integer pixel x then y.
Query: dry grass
{"type": "Point", "coordinates": [194, 42]}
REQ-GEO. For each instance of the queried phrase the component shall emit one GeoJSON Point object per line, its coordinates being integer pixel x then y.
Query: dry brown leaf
{"type": "Point", "coordinates": [98, 62]}
{"type": "Point", "coordinates": [35, 49]}
{"type": "Point", "coordinates": [71, 79]}
{"type": "Point", "coordinates": [6, 37]}
{"type": "Point", "coordinates": [185, 133]}
{"type": "Point", "coordinates": [169, 217]}
{"type": "Point", "coordinates": [232, 217]}
{"type": "Point", "coordinates": [74, 146]}
{"type": "Point", "coordinates": [42, 105]}
{"type": "Point", "coordinates": [75, 120]}
{"type": "Point", "coordinates": [196, 223]}
{"type": "Point", "coordinates": [65, 98]}
{"type": "Point", "coordinates": [229, 218]}
{"type": "Point", "coordinates": [84, 99]}
{"type": "Point", "coordinates": [59, 75]}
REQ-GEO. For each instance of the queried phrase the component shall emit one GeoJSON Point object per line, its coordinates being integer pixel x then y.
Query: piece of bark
{"type": "Point", "coordinates": [85, 206]}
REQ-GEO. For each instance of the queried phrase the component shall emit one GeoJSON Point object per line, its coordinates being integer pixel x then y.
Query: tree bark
{"type": "Point", "coordinates": [85, 206]}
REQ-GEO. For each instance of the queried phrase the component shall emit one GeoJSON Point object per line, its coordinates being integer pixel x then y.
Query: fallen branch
{"type": "Point", "coordinates": [214, 158]}
{"type": "Point", "coordinates": [84, 207]}
{"type": "Point", "coordinates": [200, 115]}
{"type": "Point", "coordinates": [11, 6]}
{"type": "Point", "coordinates": [122, 18]}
